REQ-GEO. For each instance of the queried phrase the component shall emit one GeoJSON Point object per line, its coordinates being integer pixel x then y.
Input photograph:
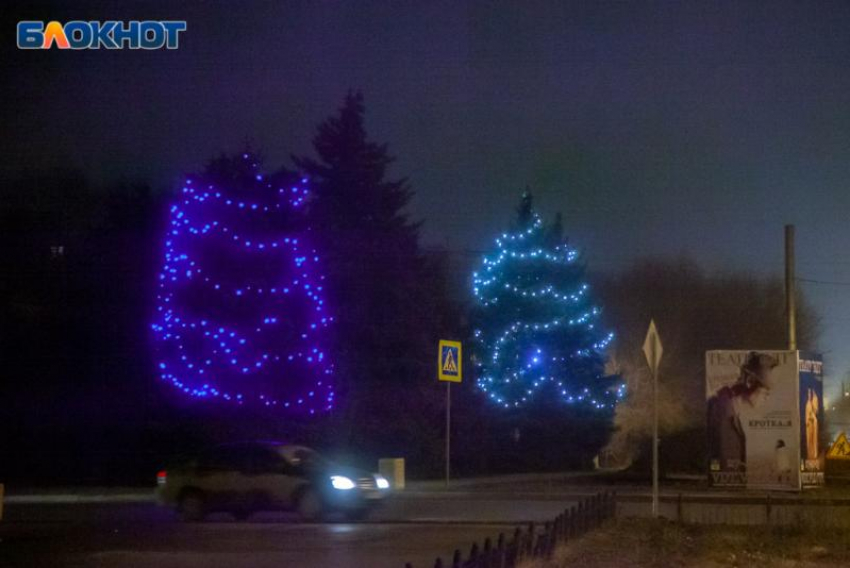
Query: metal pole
{"type": "Point", "coordinates": [448, 428]}
{"type": "Point", "coordinates": [655, 441]}
{"type": "Point", "coordinates": [790, 292]}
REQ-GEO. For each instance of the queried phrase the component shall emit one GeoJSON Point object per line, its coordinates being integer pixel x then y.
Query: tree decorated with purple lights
{"type": "Point", "coordinates": [240, 311]}
{"type": "Point", "coordinates": [537, 332]}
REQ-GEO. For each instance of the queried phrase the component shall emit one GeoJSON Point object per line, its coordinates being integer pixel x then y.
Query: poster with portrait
{"type": "Point", "coordinates": [812, 446]}
{"type": "Point", "coordinates": [753, 419]}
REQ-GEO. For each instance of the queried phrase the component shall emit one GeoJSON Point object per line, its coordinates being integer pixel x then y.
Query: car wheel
{"type": "Point", "coordinates": [192, 507]}
{"type": "Point", "coordinates": [310, 506]}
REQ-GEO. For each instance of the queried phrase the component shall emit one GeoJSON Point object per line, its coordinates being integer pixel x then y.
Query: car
{"type": "Point", "coordinates": [243, 478]}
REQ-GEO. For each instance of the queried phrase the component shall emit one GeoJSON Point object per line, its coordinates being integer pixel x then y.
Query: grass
{"type": "Point", "coordinates": [643, 543]}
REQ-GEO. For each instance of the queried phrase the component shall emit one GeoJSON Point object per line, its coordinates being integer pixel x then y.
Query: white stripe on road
{"type": "Point", "coordinates": [49, 499]}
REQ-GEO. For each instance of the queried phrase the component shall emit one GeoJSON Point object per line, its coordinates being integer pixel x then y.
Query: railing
{"type": "Point", "coordinates": [534, 543]}
{"type": "Point", "coordinates": [743, 508]}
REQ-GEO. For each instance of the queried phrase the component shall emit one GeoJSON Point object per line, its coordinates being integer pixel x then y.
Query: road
{"type": "Point", "coordinates": [412, 529]}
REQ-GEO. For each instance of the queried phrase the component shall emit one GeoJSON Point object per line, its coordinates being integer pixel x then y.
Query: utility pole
{"type": "Point", "coordinates": [790, 288]}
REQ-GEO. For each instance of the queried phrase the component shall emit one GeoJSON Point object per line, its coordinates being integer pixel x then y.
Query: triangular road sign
{"type": "Point", "coordinates": [449, 365]}
{"type": "Point", "coordinates": [840, 450]}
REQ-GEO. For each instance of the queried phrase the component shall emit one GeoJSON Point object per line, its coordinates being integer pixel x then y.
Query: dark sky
{"type": "Point", "coordinates": [695, 128]}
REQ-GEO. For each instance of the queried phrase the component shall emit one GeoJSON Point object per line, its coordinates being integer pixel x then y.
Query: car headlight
{"type": "Point", "coordinates": [382, 482]}
{"type": "Point", "coordinates": [341, 482]}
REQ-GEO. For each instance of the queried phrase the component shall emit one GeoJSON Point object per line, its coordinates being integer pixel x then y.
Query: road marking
{"type": "Point", "coordinates": [81, 499]}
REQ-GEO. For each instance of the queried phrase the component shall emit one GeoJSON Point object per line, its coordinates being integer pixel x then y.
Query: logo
{"type": "Point", "coordinates": [110, 34]}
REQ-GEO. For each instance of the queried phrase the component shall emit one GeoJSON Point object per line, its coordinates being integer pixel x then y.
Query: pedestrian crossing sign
{"type": "Point", "coordinates": [449, 363]}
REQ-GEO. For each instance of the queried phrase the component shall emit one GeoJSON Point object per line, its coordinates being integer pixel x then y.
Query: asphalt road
{"type": "Point", "coordinates": [142, 535]}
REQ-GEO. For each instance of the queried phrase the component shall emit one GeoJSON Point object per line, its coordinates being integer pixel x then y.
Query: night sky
{"type": "Point", "coordinates": [663, 129]}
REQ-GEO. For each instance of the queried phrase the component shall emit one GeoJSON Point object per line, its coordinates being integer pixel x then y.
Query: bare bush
{"type": "Point", "coordinates": [694, 312]}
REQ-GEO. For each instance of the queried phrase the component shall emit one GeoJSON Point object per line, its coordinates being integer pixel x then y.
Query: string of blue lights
{"type": "Point", "coordinates": [240, 314]}
{"type": "Point", "coordinates": [535, 326]}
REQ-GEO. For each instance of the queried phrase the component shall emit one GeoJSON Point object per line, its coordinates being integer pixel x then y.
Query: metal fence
{"type": "Point", "coordinates": [807, 509]}
{"type": "Point", "coordinates": [536, 542]}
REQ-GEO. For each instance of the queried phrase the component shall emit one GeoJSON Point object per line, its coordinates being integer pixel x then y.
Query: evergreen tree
{"type": "Point", "coordinates": [240, 315]}
{"type": "Point", "coordinates": [385, 295]}
{"type": "Point", "coordinates": [537, 332]}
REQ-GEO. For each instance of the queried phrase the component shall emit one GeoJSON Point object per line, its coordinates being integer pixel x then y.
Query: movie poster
{"type": "Point", "coordinates": [812, 448]}
{"type": "Point", "coordinates": [753, 419]}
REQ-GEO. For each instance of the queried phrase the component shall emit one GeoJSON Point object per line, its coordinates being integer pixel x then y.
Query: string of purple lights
{"type": "Point", "coordinates": [240, 314]}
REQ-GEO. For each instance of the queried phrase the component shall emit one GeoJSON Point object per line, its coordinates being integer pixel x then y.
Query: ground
{"type": "Point", "coordinates": [55, 533]}
{"type": "Point", "coordinates": [123, 528]}
{"type": "Point", "coordinates": [640, 543]}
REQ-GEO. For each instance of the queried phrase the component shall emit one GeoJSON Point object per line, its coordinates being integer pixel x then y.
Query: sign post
{"type": "Point", "coordinates": [652, 350]}
{"type": "Point", "coordinates": [449, 370]}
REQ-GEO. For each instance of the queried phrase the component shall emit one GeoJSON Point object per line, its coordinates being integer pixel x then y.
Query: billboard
{"type": "Point", "coordinates": [811, 405]}
{"type": "Point", "coordinates": [753, 419]}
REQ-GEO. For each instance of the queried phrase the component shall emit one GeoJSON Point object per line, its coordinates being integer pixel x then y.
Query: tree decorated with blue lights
{"type": "Point", "coordinates": [240, 310]}
{"type": "Point", "coordinates": [537, 331]}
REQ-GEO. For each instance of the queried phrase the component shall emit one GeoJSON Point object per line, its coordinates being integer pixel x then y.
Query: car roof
{"type": "Point", "coordinates": [286, 450]}
{"type": "Point", "coordinates": [251, 443]}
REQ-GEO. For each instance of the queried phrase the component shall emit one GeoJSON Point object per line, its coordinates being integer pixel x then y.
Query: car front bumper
{"type": "Point", "coordinates": [355, 498]}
